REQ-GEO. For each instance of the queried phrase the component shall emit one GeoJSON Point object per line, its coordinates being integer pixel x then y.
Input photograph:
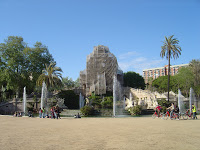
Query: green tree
{"type": "Point", "coordinates": [133, 80]}
{"type": "Point", "coordinates": [37, 57]}
{"type": "Point", "coordinates": [51, 75]}
{"type": "Point", "coordinates": [21, 65]}
{"type": "Point", "coordinates": [77, 83]}
{"type": "Point", "coordinates": [160, 84]}
{"type": "Point", "coordinates": [195, 68]}
{"type": "Point", "coordinates": [170, 49]}
{"type": "Point", "coordinates": [149, 84]}
{"type": "Point", "coordinates": [68, 82]}
{"type": "Point", "coordinates": [185, 80]}
{"type": "Point", "coordinates": [14, 62]}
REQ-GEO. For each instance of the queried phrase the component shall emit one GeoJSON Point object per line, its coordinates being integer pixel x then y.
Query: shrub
{"type": "Point", "coordinates": [163, 102]}
{"type": "Point", "coordinates": [164, 108]}
{"type": "Point", "coordinates": [87, 111]}
{"type": "Point", "coordinates": [107, 102]}
{"type": "Point", "coordinates": [96, 102]}
{"type": "Point", "coordinates": [136, 110]}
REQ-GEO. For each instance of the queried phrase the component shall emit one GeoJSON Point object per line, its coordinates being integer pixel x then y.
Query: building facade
{"type": "Point", "coordinates": [161, 71]}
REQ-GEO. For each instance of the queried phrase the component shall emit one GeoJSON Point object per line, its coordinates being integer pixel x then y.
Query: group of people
{"type": "Point", "coordinates": [17, 114]}
{"type": "Point", "coordinates": [77, 116]}
{"type": "Point", "coordinates": [55, 113]}
{"type": "Point", "coordinates": [175, 109]}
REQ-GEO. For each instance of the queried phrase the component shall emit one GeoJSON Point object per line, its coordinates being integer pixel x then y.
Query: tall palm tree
{"type": "Point", "coordinates": [51, 75]}
{"type": "Point", "coordinates": [170, 49]}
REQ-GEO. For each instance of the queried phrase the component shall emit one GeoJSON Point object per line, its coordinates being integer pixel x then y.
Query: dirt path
{"type": "Point", "coordinates": [98, 133]}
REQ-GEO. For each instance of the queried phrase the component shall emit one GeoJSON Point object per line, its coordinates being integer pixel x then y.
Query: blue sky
{"type": "Point", "coordinates": [132, 29]}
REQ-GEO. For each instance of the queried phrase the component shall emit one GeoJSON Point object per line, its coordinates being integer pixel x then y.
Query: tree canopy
{"type": "Point", "coordinates": [69, 83]}
{"type": "Point", "coordinates": [195, 68]}
{"type": "Point", "coordinates": [21, 65]}
{"type": "Point", "coordinates": [134, 80]}
{"type": "Point", "coordinates": [184, 80]}
{"type": "Point", "coordinates": [51, 75]}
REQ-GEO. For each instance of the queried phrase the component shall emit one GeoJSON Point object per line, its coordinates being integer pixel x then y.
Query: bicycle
{"type": "Point", "coordinates": [166, 115]}
{"type": "Point", "coordinates": [175, 116]}
{"type": "Point", "coordinates": [188, 115]}
{"type": "Point", "coordinates": [182, 116]}
{"type": "Point", "coordinates": [156, 115]}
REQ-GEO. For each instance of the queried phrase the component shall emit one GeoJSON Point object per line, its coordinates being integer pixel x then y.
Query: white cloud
{"type": "Point", "coordinates": [140, 59]}
{"type": "Point", "coordinates": [128, 55]}
{"type": "Point", "coordinates": [138, 64]}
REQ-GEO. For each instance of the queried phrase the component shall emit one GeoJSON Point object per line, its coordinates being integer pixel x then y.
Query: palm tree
{"type": "Point", "coordinates": [51, 76]}
{"type": "Point", "coordinates": [170, 49]}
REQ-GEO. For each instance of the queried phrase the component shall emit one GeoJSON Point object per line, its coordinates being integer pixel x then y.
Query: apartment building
{"type": "Point", "coordinates": [161, 71]}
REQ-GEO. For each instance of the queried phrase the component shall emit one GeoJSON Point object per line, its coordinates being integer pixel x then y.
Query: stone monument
{"type": "Point", "coordinates": [101, 66]}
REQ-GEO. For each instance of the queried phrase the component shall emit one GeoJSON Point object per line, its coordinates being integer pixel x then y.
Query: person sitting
{"type": "Point", "coordinates": [29, 113]}
{"type": "Point", "coordinates": [15, 114]}
{"type": "Point", "coordinates": [47, 115]}
{"type": "Point", "coordinates": [77, 116]}
{"type": "Point", "coordinates": [19, 114]}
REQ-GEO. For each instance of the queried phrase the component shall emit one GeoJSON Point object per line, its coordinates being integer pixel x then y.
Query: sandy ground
{"type": "Point", "coordinates": [134, 133]}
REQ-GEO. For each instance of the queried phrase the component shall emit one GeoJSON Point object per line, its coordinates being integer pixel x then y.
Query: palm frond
{"type": "Point", "coordinates": [170, 48]}
{"type": "Point", "coordinates": [51, 75]}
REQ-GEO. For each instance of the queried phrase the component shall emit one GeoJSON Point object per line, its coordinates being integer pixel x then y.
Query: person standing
{"type": "Point", "coordinates": [52, 113]}
{"type": "Point", "coordinates": [40, 113]}
{"type": "Point", "coordinates": [43, 116]}
{"type": "Point", "coordinates": [58, 112]}
{"type": "Point", "coordinates": [194, 111]}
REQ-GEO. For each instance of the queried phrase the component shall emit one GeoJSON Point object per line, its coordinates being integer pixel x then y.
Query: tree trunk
{"type": "Point", "coordinates": [17, 93]}
{"type": "Point", "coordinates": [168, 76]}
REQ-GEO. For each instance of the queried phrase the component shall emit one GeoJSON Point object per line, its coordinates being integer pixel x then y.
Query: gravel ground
{"type": "Point", "coordinates": [132, 133]}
